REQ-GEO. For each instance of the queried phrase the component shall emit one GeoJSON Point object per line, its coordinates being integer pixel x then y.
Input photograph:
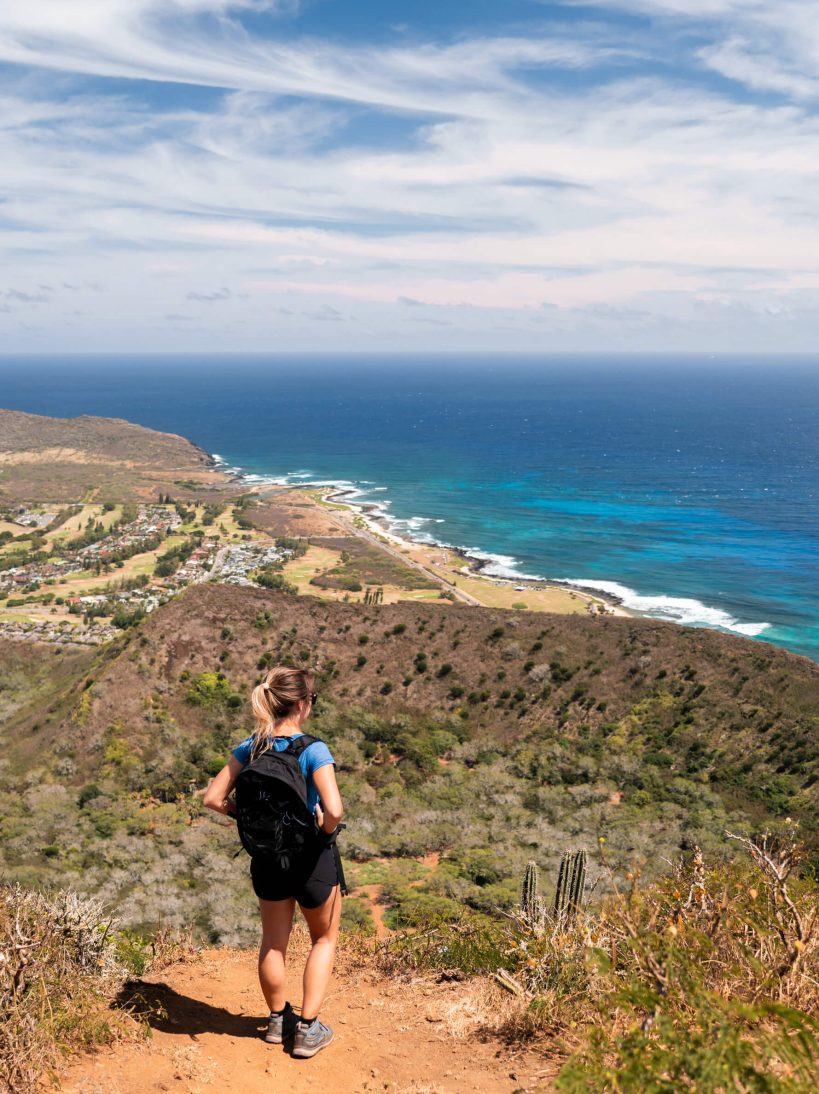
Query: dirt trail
{"type": "Point", "coordinates": [406, 1036]}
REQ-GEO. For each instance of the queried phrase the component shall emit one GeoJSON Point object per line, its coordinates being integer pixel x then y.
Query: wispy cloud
{"type": "Point", "coordinates": [16, 296]}
{"type": "Point", "coordinates": [768, 45]}
{"type": "Point", "coordinates": [614, 175]}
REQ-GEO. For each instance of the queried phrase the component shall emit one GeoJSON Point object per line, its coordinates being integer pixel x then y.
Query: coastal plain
{"type": "Point", "coordinates": [95, 465]}
{"type": "Point", "coordinates": [473, 732]}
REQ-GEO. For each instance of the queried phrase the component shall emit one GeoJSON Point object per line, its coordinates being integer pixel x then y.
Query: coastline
{"type": "Point", "coordinates": [604, 596]}
{"type": "Point", "coordinates": [473, 562]}
{"type": "Point", "coordinates": [461, 572]}
{"type": "Point", "coordinates": [453, 563]}
{"type": "Point", "coordinates": [466, 564]}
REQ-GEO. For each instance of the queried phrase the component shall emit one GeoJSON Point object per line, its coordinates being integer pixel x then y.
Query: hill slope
{"type": "Point", "coordinates": [63, 459]}
{"type": "Point", "coordinates": [486, 737]}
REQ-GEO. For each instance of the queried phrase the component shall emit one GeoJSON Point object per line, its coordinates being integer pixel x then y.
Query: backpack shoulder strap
{"type": "Point", "coordinates": [299, 744]}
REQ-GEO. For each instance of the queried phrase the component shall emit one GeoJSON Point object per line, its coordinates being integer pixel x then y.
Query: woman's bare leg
{"type": "Point", "coordinates": [277, 920]}
{"type": "Point", "coordinates": [323, 923]}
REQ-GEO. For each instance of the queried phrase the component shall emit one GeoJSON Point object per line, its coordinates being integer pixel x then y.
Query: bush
{"type": "Point", "coordinates": [701, 981]}
{"type": "Point", "coordinates": [270, 580]}
{"type": "Point", "coordinates": [212, 689]}
{"type": "Point", "coordinates": [59, 971]}
{"type": "Point", "coordinates": [711, 984]}
{"type": "Point", "coordinates": [87, 794]}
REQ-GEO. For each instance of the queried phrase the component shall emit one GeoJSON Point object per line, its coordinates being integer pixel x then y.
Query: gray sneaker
{"type": "Point", "coordinates": [311, 1039]}
{"type": "Point", "coordinates": [280, 1026]}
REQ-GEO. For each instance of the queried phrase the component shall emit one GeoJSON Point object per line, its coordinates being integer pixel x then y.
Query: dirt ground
{"type": "Point", "coordinates": [403, 1035]}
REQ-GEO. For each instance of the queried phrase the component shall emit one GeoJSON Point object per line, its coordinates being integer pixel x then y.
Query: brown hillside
{"type": "Point", "coordinates": [739, 698]}
{"type": "Point", "coordinates": [516, 735]}
{"type": "Point", "coordinates": [64, 459]}
{"type": "Point", "coordinates": [34, 675]}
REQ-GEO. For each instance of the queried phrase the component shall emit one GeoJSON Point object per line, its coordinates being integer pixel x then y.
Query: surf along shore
{"type": "Point", "coordinates": [459, 571]}
{"type": "Point", "coordinates": [103, 491]}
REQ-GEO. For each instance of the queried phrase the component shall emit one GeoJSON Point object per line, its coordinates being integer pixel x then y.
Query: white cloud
{"type": "Point", "coordinates": [613, 198]}
{"type": "Point", "coordinates": [148, 39]}
{"type": "Point", "coordinates": [768, 45]}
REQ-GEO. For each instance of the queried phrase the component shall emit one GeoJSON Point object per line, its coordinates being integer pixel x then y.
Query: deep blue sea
{"type": "Point", "coordinates": [689, 486]}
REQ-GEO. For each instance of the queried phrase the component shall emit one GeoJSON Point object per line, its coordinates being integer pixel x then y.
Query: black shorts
{"type": "Point", "coordinates": [310, 884]}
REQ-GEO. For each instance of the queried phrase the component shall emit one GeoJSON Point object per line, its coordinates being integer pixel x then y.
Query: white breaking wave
{"type": "Point", "coordinates": [223, 465]}
{"type": "Point", "coordinates": [500, 565]}
{"type": "Point", "coordinates": [680, 609]}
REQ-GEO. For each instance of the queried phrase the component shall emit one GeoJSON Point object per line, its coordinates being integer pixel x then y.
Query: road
{"type": "Point", "coordinates": [347, 520]}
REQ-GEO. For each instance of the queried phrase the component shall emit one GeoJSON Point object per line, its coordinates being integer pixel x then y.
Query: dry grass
{"type": "Point", "coordinates": [62, 962]}
{"type": "Point", "coordinates": [707, 980]}
{"type": "Point", "coordinates": [58, 970]}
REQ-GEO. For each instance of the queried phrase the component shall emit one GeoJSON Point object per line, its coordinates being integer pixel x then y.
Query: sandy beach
{"type": "Point", "coordinates": [465, 575]}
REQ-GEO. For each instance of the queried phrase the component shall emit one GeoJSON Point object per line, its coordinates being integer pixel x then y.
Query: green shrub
{"type": "Point", "coordinates": [212, 689]}
{"type": "Point", "coordinates": [355, 915]}
{"type": "Point", "coordinates": [87, 794]}
{"type": "Point", "coordinates": [269, 579]}
{"type": "Point", "coordinates": [701, 981]}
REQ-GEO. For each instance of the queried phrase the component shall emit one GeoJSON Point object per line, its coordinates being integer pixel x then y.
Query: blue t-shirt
{"type": "Point", "coordinates": [311, 759]}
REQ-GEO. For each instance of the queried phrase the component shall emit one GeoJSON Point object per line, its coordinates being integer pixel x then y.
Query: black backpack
{"type": "Point", "coordinates": [271, 806]}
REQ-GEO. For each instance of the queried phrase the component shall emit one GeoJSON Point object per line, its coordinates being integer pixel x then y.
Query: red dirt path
{"type": "Point", "coordinates": [391, 1034]}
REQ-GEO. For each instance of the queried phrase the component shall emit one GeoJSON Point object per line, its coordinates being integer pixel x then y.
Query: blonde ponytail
{"type": "Point", "coordinates": [275, 698]}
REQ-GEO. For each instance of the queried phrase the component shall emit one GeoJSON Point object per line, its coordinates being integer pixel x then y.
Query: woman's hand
{"type": "Point", "coordinates": [320, 820]}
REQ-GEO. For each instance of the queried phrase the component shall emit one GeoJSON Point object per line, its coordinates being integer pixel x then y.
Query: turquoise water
{"type": "Point", "coordinates": [687, 486]}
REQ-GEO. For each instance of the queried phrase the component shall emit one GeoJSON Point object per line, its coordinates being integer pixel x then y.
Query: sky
{"type": "Point", "coordinates": [522, 175]}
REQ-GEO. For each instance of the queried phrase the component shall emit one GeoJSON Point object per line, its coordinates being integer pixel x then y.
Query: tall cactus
{"type": "Point", "coordinates": [571, 885]}
{"type": "Point", "coordinates": [530, 894]}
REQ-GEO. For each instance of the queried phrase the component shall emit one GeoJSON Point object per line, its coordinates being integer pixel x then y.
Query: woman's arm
{"type": "Point", "coordinates": [220, 786]}
{"type": "Point", "coordinates": [329, 816]}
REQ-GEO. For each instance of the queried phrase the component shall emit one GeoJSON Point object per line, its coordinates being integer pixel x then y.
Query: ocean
{"type": "Point", "coordinates": [687, 486]}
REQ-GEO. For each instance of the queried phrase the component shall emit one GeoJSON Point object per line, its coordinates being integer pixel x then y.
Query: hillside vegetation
{"type": "Point", "coordinates": [65, 459]}
{"type": "Point", "coordinates": [468, 741]}
{"type": "Point", "coordinates": [702, 981]}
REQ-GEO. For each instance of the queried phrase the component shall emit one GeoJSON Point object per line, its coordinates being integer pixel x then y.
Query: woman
{"type": "Point", "coordinates": [281, 705]}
